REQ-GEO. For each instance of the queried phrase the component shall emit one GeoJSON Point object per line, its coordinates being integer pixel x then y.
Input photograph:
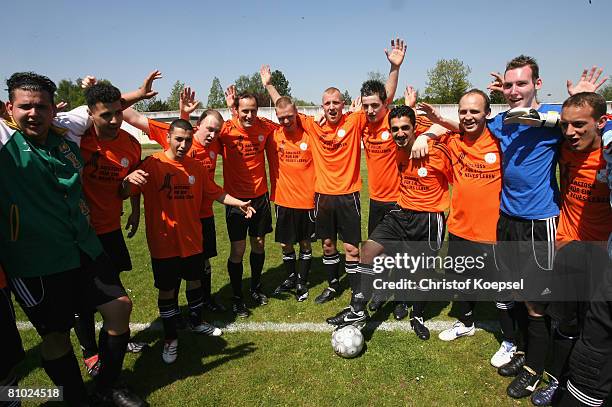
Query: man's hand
{"type": "Point", "coordinates": [146, 90]}
{"type": "Point", "coordinates": [410, 97]}
{"type": "Point", "coordinates": [60, 106]}
{"type": "Point", "coordinates": [355, 105]}
{"type": "Point", "coordinates": [230, 96]}
{"type": "Point", "coordinates": [397, 52]}
{"type": "Point", "coordinates": [132, 223]}
{"type": "Point", "coordinates": [430, 112]}
{"type": "Point", "coordinates": [266, 75]}
{"type": "Point", "coordinates": [137, 178]}
{"type": "Point", "coordinates": [247, 209]}
{"type": "Point", "coordinates": [187, 102]}
{"type": "Point", "coordinates": [531, 117]}
{"type": "Point", "coordinates": [88, 81]}
{"type": "Point", "coordinates": [498, 82]}
{"type": "Point", "coordinates": [420, 147]}
{"type": "Point", "coordinates": [589, 81]}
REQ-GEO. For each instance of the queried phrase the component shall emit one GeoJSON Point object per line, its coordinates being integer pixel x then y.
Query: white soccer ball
{"type": "Point", "coordinates": [347, 341]}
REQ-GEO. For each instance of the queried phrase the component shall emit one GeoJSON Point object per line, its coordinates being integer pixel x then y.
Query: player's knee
{"type": "Point", "coordinates": [55, 345]}
{"type": "Point", "coordinates": [237, 250]}
{"type": "Point", "coordinates": [123, 306]}
{"type": "Point", "coordinates": [305, 245]}
{"type": "Point", "coordinates": [258, 244]}
{"type": "Point", "coordinates": [351, 251]}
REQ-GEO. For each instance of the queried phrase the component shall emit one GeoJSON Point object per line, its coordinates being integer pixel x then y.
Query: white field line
{"type": "Point", "coordinates": [296, 327]}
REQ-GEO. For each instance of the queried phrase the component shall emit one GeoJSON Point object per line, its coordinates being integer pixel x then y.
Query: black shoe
{"type": "Point", "coordinates": [136, 347]}
{"type": "Point", "coordinates": [421, 331]}
{"type": "Point", "coordinates": [349, 317]}
{"type": "Point", "coordinates": [239, 308]}
{"type": "Point", "coordinates": [287, 285]}
{"type": "Point", "coordinates": [181, 323]}
{"type": "Point", "coordinates": [513, 367]}
{"type": "Point", "coordinates": [301, 292]}
{"type": "Point", "coordinates": [376, 303]}
{"type": "Point", "coordinates": [327, 295]}
{"type": "Point", "coordinates": [121, 397]}
{"type": "Point", "coordinates": [400, 311]}
{"type": "Point", "coordinates": [214, 306]}
{"type": "Point", "coordinates": [546, 395]}
{"type": "Point", "coordinates": [259, 298]}
{"type": "Point", "coordinates": [524, 384]}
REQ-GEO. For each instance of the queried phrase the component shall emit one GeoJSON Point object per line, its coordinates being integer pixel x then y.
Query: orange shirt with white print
{"type": "Point", "coordinates": [585, 197]}
{"type": "Point", "coordinates": [380, 150]}
{"type": "Point", "coordinates": [476, 179]}
{"type": "Point", "coordinates": [107, 163]}
{"type": "Point", "coordinates": [424, 182]}
{"type": "Point", "coordinates": [244, 166]}
{"type": "Point", "coordinates": [173, 197]}
{"type": "Point", "coordinates": [207, 156]}
{"type": "Point", "coordinates": [336, 151]}
{"type": "Point", "coordinates": [291, 169]}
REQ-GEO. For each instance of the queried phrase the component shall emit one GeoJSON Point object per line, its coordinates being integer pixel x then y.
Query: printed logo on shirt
{"type": "Point", "coordinates": [303, 146]}
{"type": "Point", "coordinates": [260, 138]}
{"type": "Point", "coordinates": [64, 148]}
{"type": "Point", "coordinates": [490, 158]}
{"type": "Point", "coordinates": [125, 162]}
{"type": "Point", "coordinates": [385, 135]}
{"type": "Point", "coordinates": [212, 155]}
{"type": "Point", "coordinates": [422, 172]}
{"type": "Point", "coordinates": [93, 162]}
{"type": "Point", "coordinates": [341, 133]}
{"type": "Point", "coordinates": [167, 185]}
{"type": "Point", "coordinates": [192, 179]}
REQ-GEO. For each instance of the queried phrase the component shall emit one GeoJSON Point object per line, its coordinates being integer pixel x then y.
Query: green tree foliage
{"type": "Point", "coordinates": [175, 95]}
{"type": "Point", "coordinates": [377, 76]}
{"type": "Point", "coordinates": [155, 105]}
{"type": "Point", "coordinates": [606, 92]}
{"type": "Point", "coordinates": [347, 97]}
{"type": "Point", "coordinates": [497, 98]}
{"type": "Point", "coordinates": [281, 83]}
{"type": "Point", "coordinates": [216, 97]}
{"type": "Point", "coordinates": [252, 84]}
{"type": "Point", "coordinates": [70, 92]}
{"type": "Point", "coordinates": [300, 102]}
{"type": "Point", "coordinates": [447, 81]}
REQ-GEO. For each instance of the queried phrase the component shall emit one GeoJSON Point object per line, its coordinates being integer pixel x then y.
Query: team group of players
{"type": "Point", "coordinates": [503, 173]}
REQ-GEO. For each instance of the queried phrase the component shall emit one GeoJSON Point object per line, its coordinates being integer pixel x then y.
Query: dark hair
{"type": "Point", "coordinates": [402, 111]}
{"type": "Point", "coordinates": [102, 92]}
{"type": "Point", "coordinates": [481, 93]}
{"type": "Point", "coordinates": [524, 60]}
{"type": "Point", "coordinates": [245, 95]}
{"type": "Point", "coordinates": [180, 124]}
{"type": "Point", "coordinates": [594, 100]}
{"type": "Point", "coordinates": [30, 81]}
{"type": "Point", "coordinates": [210, 112]}
{"type": "Point", "coordinates": [373, 87]}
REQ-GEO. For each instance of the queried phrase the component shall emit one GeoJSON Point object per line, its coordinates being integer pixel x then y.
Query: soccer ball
{"type": "Point", "coordinates": [347, 341]}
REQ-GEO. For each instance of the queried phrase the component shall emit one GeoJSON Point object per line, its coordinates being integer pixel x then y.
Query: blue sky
{"type": "Point", "coordinates": [315, 43]}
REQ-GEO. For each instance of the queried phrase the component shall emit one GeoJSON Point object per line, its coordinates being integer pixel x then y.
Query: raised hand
{"type": "Point", "coordinates": [88, 81]}
{"type": "Point", "coordinates": [356, 104]}
{"type": "Point", "coordinates": [497, 84]}
{"type": "Point", "coordinates": [589, 81]}
{"type": "Point", "coordinates": [430, 112]}
{"type": "Point", "coordinates": [397, 52]}
{"type": "Point", "coordinates": [266, 75]}
{"type": "Point", "coordinates": [230, 96]}
{"type": "Point", "coordinates": [187, 101]}
{"type": "Point", "coordinates": [146, 90]}
{"type": "Point", "coordinates": [59, 107]}
{"type": "Point", "coordinates": [410, 96]}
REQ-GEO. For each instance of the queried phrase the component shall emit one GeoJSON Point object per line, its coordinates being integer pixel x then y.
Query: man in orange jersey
{"type": "Point", "coordinates": [174, 186]}
{"type": "Point", "coordinates": [292, 190]}
{"type": "Point", "coordinates": [418, 222]}
{"type": "Point", "coordinates": [585, 223]}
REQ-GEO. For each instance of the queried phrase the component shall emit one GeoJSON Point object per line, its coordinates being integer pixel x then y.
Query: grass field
{"type": "Point", "coordinates": [260, 367]}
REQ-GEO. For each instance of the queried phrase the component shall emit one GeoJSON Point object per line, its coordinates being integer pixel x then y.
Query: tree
{"type": "Point", "coordinates": [216, 97]}
{"type": "Point", "coordinates": [347, 97]}
{"type": "Point", "coordinates": [497, 98]}
{"type": "Point", "coordinates": [252, 84]}
{"type": "Point", "coordinates": [300, 102]}
{"type": "Point", "coordinates": [606, 92]}
{"type": "Point", "coordinates": [155, 105]}
{"type": "Point", "coordinates": [447, 81]}
{"type": "Point", "coordinates": [70, 92]}
{"type": "Point", "coordinates": [281, 83]}
{"type": "Point", "coordinates": [377, 76]}
{"type": "Point", "coordinates": [175, 94]}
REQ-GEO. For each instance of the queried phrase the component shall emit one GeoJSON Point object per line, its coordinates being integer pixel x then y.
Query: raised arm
{"type": "Point", "coordinates": [188, 103]}
{"type": "Point", "coordinates": [266, 80]}
{"type": "Point", "coordinates": [395, 55]}
{"type": "Point", "coordinates": [589, 81]}
{"type": "Point", "coordinates": [431, 113]}
{"type": "Point", "coordinates": [144, 92]}
{"type": "Point", "coordinates": [136, 119]}
{"type": "Point", "coordinates": [230, 98]}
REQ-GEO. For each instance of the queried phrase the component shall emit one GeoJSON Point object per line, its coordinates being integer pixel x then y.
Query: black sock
{"type": "Point", "coordinates": [235, 273]}
{"type": "Point", "coordinates": [466, 312]}
{"type": "Point", "coordinates": [562, 345]}
{"type": "Point", "coordinates": [207, 282]}
{"type": "Point", "coordinates": [257, 262]}
{"type": "Point", "coordinates": [64, 371]}
{"type": "Point", "coordinates": [504, 314]}
{"type": "Point", "coordinates": [168, 310]}
{"type": "Point", "coordinates": [539, 340]}
{"type": "Point", "coordinates": [331, 264]}
{"type": "Point", "coordinates": [418, 309]}
{"type": "Point", "coordinates": [194, 302]}
{"type": "Point", "coordinates": [304, 266]}
{"type": "Point", "coordinates": [85, 330]}
{"type": "Point", "coordinates": [112, 352]}
{"type": "Point", "coordinates": [361, 285]}
{"type": "Point", "coordinates": [519, 315]}
{"type": "Point", "coordinates": [289, 262]}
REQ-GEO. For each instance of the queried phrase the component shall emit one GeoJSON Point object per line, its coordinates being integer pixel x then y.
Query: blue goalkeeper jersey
{"type": "Point", "coordinates": [529, 161]}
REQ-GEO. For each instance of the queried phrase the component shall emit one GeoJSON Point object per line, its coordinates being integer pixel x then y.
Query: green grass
{"type": "Point", "coordinates": [265, 368]}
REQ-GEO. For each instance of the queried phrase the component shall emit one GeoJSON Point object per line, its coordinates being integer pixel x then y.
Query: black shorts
{"type": "Point", "coordinates": [114, 246]}
{"type": "Point", "coordinates": [338, 215]}
{"type": "Point", "coordinates": [378, 210]}
{"type": "Point", "coordinates": [12, 350]}
{"type": "Point", "coordinates": [209, 233]}
{"type": "Point", "coordinates": [460, 247]}
{"type": "Point", "coordinates": [51, 301]}
{"type": "Point", "coordinates": [257, 226]}
{"type": "Point", "coordinates": [168, 273]}
{"type": "Point", "coordinates": [294, 225]}
{"type": "Point", "coordinates": [403, 225]}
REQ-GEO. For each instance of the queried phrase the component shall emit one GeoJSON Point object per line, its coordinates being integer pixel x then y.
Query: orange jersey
{"type": "Point", "coordinates": [585, 207]}
{"type": "Point", "coordinates": [207, 156]}
{"type": "Point", "coordinates": [244, 167]}
{"type": "Point", "coordinates": [380, 150]}
{"type": "Point", "coordinates": [107, 163]}
{"type": "Point", "coordinates": [424, 182]}
{"type": "Point", "coordinates": [173, 197]}
{"type": "Point", "coordinates": [337, 153]}
{"type": "Point", "coordinates": [476, 178]}
{"type": "Point", "coordinates": [291, 169]}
